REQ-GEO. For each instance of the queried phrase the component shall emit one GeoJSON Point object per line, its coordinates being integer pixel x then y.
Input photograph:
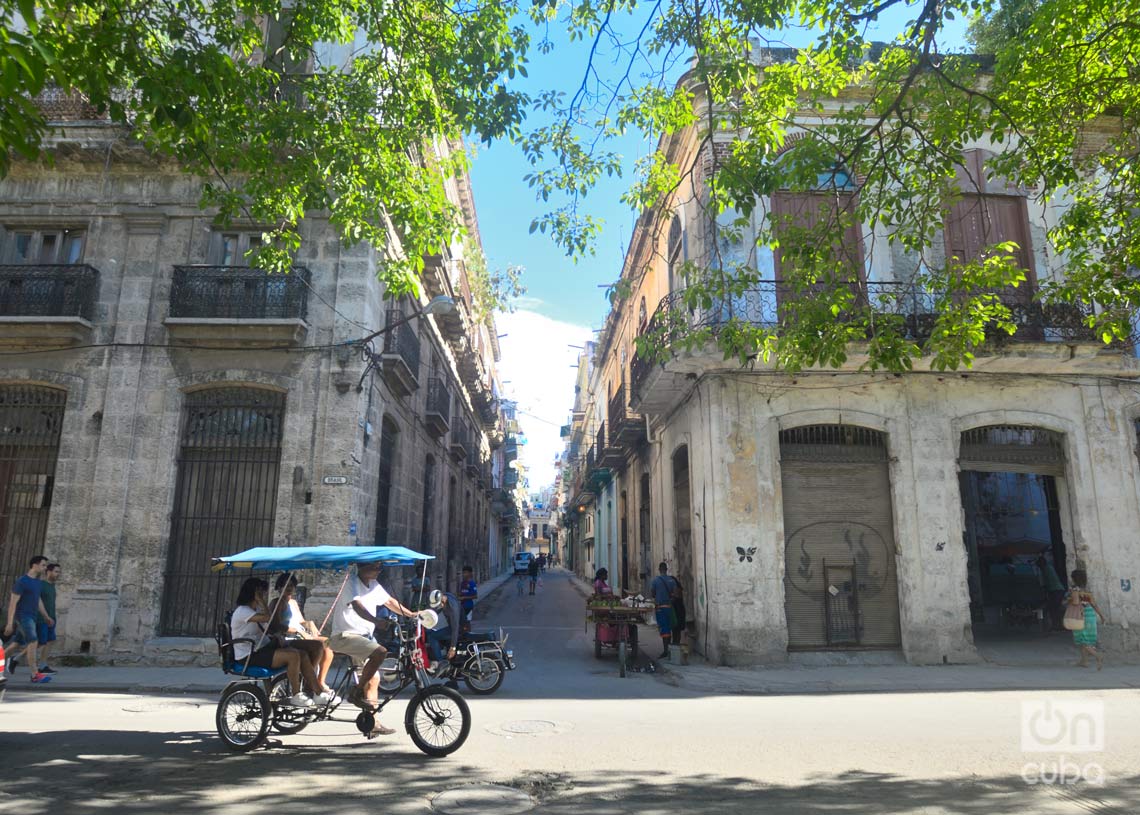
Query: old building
{"type": "Point", "coordinates": [162, 404]}
{"type": "Point", "coordinates": [849, 510]}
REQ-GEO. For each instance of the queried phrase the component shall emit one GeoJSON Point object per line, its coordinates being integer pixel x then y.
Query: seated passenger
{"type": "Point", "coordinates": [249, 621]}
{"type": "Point", "coordinates": [447, 629]}
{"type": "Point", "coordinates": [354, 633]}
{"type": "Point", "coordinates": [302, 634]}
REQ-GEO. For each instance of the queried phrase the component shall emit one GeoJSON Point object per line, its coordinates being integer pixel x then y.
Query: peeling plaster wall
{"type": "Point", "coordinates": [731, 422]}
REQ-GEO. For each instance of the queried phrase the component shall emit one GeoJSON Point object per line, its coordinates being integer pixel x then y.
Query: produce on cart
{"type": "Point", "coordinates": [615, 625]}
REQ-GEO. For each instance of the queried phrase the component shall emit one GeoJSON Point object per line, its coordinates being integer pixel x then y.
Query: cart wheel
{"type": "Point", "coordinates": [243, 716]}
{"type": "Point", "coordinates": [623, 653]}
{"type": "Point", "coordinates": [438, 720]}
{"type": "Point", "coordinates": [390, 676]}
{"type": "Point", "coordinates": [484, 677]}
{"type": "Point", "coordinates": [286, 720]}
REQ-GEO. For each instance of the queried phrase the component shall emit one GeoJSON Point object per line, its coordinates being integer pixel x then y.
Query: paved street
{"type": "Point", "coordinates": [566, 730]}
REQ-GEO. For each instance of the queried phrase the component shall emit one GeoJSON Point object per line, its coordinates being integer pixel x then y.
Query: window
{"type": "Point", "coordinates": [44, 246]}
{"type": "Point", "coordinates": [674, 253]}
{"type": "Point", "coordinates": [642, 316]}
{"type": "Point", "coordinates": [388, 434]}
{"type": "Point", "coordinates": [231, 248]}
{"type": "Point", "coordinates": [988, 212]}
{"type": "Point", "coordinates": [428, 504]}
{"type": "Point", "coordinates": [805, 211]}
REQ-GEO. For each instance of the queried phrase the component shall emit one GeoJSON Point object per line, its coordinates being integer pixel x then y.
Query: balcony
{"type": "Point", "coordinates": [597, 473]}
{"type": "Point", "coordinates": [510, 479]}
{"type": "Point", "coordinates": [48, 305]}
{"type": "Point", "coordinates": [627, 429]}
{"type": "Point", "coordinates": [401, 355]}
{"type": "Point", "coordinates": [474, 454]}
{"type": "Point", "coordinates": [653, 386]}
{"type": "Point", "coordinates": [510, 449]}
{"type": "Point", "coordinates": [437, 414]}
{"type": "Point", "coordinates": [236, 304]}
{"type": "Point", "coordinates": [609, 453]}
{"type": "Point", "coordinates": [458, 445]}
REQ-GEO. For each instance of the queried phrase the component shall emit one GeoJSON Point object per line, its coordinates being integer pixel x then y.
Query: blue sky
{"type": "Point", "coordinates": [565, 299]}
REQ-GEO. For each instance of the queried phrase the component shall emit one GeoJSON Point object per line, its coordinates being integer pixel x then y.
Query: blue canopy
{"type": "Point", "coordinates": [318, 557]}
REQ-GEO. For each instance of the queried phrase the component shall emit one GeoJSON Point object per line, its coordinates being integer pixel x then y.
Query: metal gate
{"type": "Point", "coordinates": [30, 422]}
{"type": "Point", "coordinates": [225, 500]}
{"type": "Point", "coordinates": [840, 579]}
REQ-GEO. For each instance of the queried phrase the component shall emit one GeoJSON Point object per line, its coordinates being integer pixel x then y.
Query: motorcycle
{"type": "Point", "coordinates": [481, 661]}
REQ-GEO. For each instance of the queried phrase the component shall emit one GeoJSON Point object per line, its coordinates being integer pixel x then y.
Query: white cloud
{"type": "Point", "coordinates": [536, 369]}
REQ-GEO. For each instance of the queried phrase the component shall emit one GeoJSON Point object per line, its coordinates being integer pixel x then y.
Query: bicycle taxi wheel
{"type": "Point", "coordinates": [286, 720]}
{"type": "Point", "coordinates": [243, 716]}
{"type": "Point", "coordinates": [438, 720]}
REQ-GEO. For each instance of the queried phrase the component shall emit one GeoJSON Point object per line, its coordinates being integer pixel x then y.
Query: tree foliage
{"type": "Point", "coordinates": [1057, 106]}
{"type": "Point", "coordinates": [283, 108]}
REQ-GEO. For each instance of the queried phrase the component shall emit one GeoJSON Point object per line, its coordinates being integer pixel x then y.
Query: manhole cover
{"type": "Point", "coordinates": [477, 799]}
{"type": "Point", "coordinates": [528, 727]}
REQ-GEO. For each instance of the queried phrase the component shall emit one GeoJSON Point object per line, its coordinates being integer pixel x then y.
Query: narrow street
{"type": "Point", "coordinates": [566, 730]}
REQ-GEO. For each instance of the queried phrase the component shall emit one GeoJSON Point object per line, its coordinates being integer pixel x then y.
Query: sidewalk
{"type": "Point", "coordinates": [892, 675]}
{"type": "Point", "coordinates": [161, 680]}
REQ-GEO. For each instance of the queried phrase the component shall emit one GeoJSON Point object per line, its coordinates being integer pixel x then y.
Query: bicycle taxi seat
{"type": "Point", "coordinates": [234, 666]}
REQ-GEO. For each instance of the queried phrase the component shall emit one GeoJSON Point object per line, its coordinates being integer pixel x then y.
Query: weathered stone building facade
{"type": "Point", "coordinates": [841, 510]}
{"type": "Point", "coordinates": [161, 404]}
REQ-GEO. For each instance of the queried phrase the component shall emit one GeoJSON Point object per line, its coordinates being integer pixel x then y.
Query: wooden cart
{"type": "Point", "coordinates": [615, 626]}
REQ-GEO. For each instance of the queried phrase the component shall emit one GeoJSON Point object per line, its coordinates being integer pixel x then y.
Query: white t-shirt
{"type": "Point", "coordinates": [242, 627]}
{"type": "Point", "coordinates": [370, 596]}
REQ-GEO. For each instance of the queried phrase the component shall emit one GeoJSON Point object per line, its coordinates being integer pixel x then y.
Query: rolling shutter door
{"type": "Point", "coordinates": [841, 584]}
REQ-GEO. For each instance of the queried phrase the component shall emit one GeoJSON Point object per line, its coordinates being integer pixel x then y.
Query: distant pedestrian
{"type": "Point", "coordinates": [468, 594]}
{"type": "Point", "coordinates": [45, 631]}
{"type": "Point", "coordinates": [664, 589]}
{"type": "Point", "coordinates": [23, 607]}
{"type": "Point", "coordinates": [532, 573]}
{"type": "Point", "coordinates": [1080, 602]}
{"type": "Point", "coordinates": [601, 587]}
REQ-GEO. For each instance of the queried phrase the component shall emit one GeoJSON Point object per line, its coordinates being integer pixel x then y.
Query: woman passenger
{"type": "Point", "coordinates": [249, 622]}
{"type": "Point", "coordinates": [300, 633]}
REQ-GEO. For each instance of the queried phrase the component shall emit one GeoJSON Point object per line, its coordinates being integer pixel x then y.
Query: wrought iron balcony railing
{"type": "Point", "coordinates": [403, 341]}
{"type": "Point", "coordinates": [66, 290]}
{"type": "Point", "coordinates": [771, 303]}
{"type": "Point", "coordinates": [239, 293]}
{"type": "Point", "coordinates": [438, 399]}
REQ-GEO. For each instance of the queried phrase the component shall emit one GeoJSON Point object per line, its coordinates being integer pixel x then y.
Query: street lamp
{"type": "Point", "coordinates": [441, 304]}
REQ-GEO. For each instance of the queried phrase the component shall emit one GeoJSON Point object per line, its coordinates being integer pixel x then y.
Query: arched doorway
{"type": "Point", "coordinates": [31, 418]}
{"type": "Point", "coordinates": [840, 577]}
{"type": "Point", "coordinates": [1015, 551]}
{"type": "Point", "coordinates": [225, 499]}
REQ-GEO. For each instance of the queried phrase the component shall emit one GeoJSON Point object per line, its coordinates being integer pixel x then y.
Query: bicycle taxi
{"type": "Point", "coordinates": [437, 718]}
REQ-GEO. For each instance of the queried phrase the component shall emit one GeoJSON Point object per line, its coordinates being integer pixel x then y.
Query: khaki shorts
{"type": "Point", "coordinates": [357, 646]}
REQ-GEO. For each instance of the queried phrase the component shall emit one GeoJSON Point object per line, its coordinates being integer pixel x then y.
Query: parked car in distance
{"type": "Point", "coordinates": [522, 560]}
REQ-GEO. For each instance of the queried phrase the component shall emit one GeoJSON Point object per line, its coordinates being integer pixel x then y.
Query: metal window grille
{"type": "Point", "coordinates": [30, 421]}
{"type": "Point", "coordinates": [1013, 445]}
{"type": "Point", "coordinates": [225, 499]}
{"type": "Point", "coordinates": [833, 442]}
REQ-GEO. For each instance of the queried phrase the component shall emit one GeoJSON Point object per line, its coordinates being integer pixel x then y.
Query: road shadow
{"type": "Point", "coordinates": [189, 773]}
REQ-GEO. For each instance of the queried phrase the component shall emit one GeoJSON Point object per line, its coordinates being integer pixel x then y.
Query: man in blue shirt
{"type": "Point", "coordinates": [468, 592]}
{"type": "Point", "coordinates": [24, 606]}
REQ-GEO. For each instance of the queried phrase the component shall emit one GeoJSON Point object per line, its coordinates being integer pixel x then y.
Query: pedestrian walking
{"type": "Point", "coordinates": [23, 606]}
{"type": "Point", "coordinates": [468, 594]}
{"type": "Point", "coordinates": [45, 631]}
{"type": "Point", "coordinates": [532, 573]}
{"type": "Point", "coordinates": [1081, 615]}
{"type": "Point", "coordinates": [664, 587]}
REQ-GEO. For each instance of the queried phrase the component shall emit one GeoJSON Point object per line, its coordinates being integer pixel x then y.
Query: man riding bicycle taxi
{"type": "Point", "coordinates": [353, 633]}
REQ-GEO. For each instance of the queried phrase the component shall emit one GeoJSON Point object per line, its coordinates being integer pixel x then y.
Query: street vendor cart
{"type": "Point", "coordinates": [615, 626]}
